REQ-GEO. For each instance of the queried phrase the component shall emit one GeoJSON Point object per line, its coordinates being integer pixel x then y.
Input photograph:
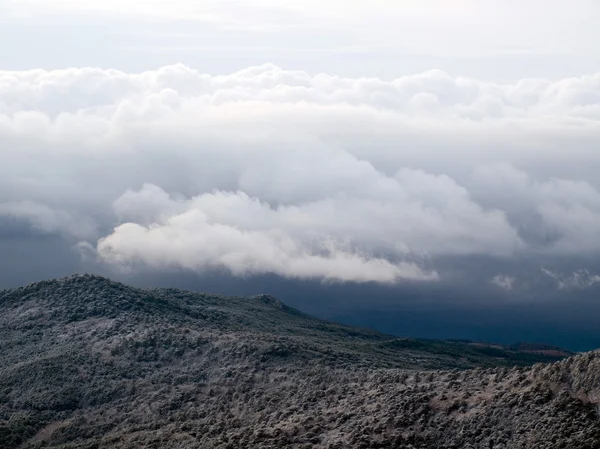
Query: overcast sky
{"type": "Point", "coordinates": [430, 145]}
{"type": "Point", "coordinates": [487, 39]}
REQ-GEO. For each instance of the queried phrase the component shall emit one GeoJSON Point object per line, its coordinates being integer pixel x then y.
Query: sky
{"type": "Point", "coordinates": [426, 168]}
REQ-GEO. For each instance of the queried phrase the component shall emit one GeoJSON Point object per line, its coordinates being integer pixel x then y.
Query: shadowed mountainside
{"type": "Point", "coordinates": [89, 363]}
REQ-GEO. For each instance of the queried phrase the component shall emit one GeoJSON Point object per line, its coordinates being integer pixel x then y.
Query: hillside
{"type": "Point", "coordinates": [89, 363]}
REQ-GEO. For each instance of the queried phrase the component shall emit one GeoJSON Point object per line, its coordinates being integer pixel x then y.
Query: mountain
{"type": "Point", "coordinates": [90, 363]}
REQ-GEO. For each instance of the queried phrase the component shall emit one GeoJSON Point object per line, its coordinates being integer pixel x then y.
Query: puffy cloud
{"type": "Point", "coordinates": [172, 87]}
{"type": "Point", "coordinates": [190, 241]}
{"type": "Point", "coordinates": [308, 176]}
{"type": "Point", "coordinates": [415, 214]}
{"type": "Point", "coordinates": [503, 281]}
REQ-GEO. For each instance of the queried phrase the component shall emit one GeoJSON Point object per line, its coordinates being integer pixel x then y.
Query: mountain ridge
{"type": "Point", "coordinates": [279, 305]}
{"type": "Point", "coordinates": [92, 363]}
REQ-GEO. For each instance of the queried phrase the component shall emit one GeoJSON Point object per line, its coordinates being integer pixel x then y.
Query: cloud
{"type": "Point", "coordinates": [248, 235]}
{"type": "Point", "coordinates": [556, 215]}
{"type": "Point", "coordinates": [305, 176]}
{"type": "Point", "coordinates": [503, 281]}
{"type": "Point", "coordinates": [578, 280]}
{"type": "Point", "coordinates": [47, 220]}
{"type": "Point", "coordinates": [189, 241]}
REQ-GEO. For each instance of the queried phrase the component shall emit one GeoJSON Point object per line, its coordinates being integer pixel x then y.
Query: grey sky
{"type": "Point", "coordinates": [492, 40]}
{"type": "Point", "coordinates": [447, 145]}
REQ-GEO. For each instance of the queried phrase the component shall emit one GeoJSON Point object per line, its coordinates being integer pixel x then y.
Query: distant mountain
{"type": "Point", "coordinates": [90, 363]}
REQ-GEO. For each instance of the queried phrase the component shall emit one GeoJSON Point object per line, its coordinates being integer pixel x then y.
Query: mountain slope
{"type": "Point", "coordinates": [87, 362]}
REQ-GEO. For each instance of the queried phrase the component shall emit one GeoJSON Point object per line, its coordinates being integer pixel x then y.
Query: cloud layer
{"type": "Point", "coordinates": [305, 176]}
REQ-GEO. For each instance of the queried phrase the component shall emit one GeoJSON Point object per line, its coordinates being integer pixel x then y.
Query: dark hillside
{"type": "Point", "coordinates": [89, 363]}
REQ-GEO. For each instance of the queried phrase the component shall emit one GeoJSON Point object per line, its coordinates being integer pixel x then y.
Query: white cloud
{"type": "Point", "coordinates": [274, 171]}
{"type": "Point", "coordinates": [579, 279]}
{"type": "Point", "coordinates": [399, 219]}
{"type": "Point", "coordinates": [190, 240]}
{"type": "Point", "coordinates": [503, 281]}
